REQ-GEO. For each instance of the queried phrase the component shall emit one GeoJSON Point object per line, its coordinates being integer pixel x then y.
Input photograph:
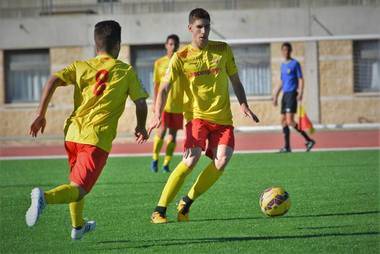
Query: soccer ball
{"type": "Point", "coordinates": [274, 201]}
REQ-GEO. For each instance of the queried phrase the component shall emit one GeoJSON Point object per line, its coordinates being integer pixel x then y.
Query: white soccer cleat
{"type": "Point", "coordinates": [77, 234]}
{"type": "Point", "coordinates": [38, 203]}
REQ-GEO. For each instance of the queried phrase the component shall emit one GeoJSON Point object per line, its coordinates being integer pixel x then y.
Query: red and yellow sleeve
{"type": "Point", "coordinates": [230, 62]}
{"type": "Point", "coordinates": [135, 89]}
{"type": "Point", "coordinates": [67, 74]}
{"type": "Point", "coordinates": [173, 71]}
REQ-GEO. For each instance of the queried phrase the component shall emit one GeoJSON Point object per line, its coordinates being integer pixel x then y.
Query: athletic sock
{"type": "Point", "coordinates": [76, 213]}
{"type": "Point", "coordinates": [157, 145]}
{"type": "Point", "coordinates": [170, 147]}
{"type": "Point", "coordinates": [173, 184]}
{"type": "Point", "coordinates": [304, 134]}
{"type": "Point", "coordinates": [204, 181]}
{"type": "Point", "coordinates": [286, 132]}
{"type": "Point", "coordinates": [161, 210]}
{"type": "Point", "coordinates": [188, 202]}
{"type": "Point", "coordinates": [63, 194]}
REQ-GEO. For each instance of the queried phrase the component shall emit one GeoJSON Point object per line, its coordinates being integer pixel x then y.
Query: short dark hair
{"type": "Point", "coordinates": [288, 45]}
{"type": "Point", "coordinates": [107, 35]}
{"type": "Point", "coordinates": [198, 13]}
{"type": "Point", "coordinates": [173, 37]}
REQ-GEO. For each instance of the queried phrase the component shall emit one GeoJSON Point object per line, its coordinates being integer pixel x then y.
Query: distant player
{"type": "Point", "coordinates": [101, 87]}
{"type": "Point", "coordinates": [204, 68]}
{"type": "Point", "coordinates": [172, 117]}
{"type": "Point", "coordinates": [292, 85]}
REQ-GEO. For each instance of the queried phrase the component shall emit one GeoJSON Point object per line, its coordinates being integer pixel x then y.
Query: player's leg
{"type": "Point", "coordinates": [170, 147]}
{"type": "Point", "coordinates": [286, 132]}
{"type": "Point", "coordinates": [291, 122]}
{"type": "Point", "coordinates": [90, 163]}
{"type": "Point", "coordinates": [196, 134]}
{"type": "Point", "coordinates": [157, 145]}
{"type": "Point", "coordinates": [174, 183]}
{"type": "Point", "coordinates": [63, 194]}
{"type": "Point", "coordinates": [220, 149]}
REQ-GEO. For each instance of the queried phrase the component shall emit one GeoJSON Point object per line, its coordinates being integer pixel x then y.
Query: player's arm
{"type": "Point", "coordinates": [300, 89]}
{"type": "Point", "coordinates": [300, 82]}
{"type": "Point", "coordinates": [155, 92]}
{"type": "Point", "coordinates": [39, 122]}
{"type": "Point", "coordinates": [276, 93]}
{"type": "Point", "coordinates": [162, 96]}
{"type": "Point", "coordinates": [141, 114]}
{"type": "Point", "coordinates": [242, 98]}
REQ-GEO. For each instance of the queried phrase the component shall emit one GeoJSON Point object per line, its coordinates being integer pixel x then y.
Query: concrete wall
{"type": "Point", "coordinates": [58, 31]}
{"type": "Point", "coordinates": [339, 103]}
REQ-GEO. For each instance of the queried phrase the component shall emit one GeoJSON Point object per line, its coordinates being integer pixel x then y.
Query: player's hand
{"type": "Point", "coordinates": [154, 123]}
{"type": "Point", "coordinates": [38, 124]}
{"type": "Point", "coordinates": [247, 112]}
{"type": "Point", "coordinates": [299, 97]}
{"type": "Point", "coordinates": [274, 101]}
{"type": "Point", "coordinates": [141, 135]}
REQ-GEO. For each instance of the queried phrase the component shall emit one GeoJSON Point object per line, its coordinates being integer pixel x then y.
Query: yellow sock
{"type": "Point", "coordinates": [170, 147]}
{"type": "Point", "coordinates": [204, 181]}
{"type": "Point", "coordinates": [62, 194]}
{"type": "Point", "coordinates": [157, 145]}
{"type": "Point", "coordinates": [76, 213]}
{"type": "Point", "coordinates": [173, 184]}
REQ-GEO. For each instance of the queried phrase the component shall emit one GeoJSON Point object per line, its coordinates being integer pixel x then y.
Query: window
{"type": "Point", "coordinates": [253, 62]}
{"type": "Point", "coordinates": [143, 58]}
{"type": "Point", "coordinates": [26, 71]}
{"type": "Point", "coordinates": [367, 66]}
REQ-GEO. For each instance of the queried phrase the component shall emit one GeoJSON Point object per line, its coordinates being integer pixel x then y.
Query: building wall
{"type": "Point", "coordinates": [339, 103]}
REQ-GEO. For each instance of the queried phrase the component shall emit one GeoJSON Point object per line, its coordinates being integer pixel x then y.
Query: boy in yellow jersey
{"type": "Point", "coordinates": [204, 68]}
{"type": "Point", "coordinates": [172, 117]}
{"type": "Point", "coordinates": [101, 87]}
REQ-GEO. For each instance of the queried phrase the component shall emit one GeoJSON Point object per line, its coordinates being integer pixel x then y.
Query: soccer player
{"type": "Point", "coordinates": [101, 87]}
{"type": "Point", "coordinates": [292, 85]}
{"type": "Point", "coordinates": [172, 117]}
{"type": "Point", "coordinates": [203, 68]}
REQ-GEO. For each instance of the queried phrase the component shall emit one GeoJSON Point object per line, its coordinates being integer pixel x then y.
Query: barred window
{"type": "Point", "coordinates": [143, 58]}
{"type": "Point", "coordinates": [253, 62]}
{"type": "Point", "coordinates": [367, 66]}
{"type": "Point", "coordinates": [26, 71]}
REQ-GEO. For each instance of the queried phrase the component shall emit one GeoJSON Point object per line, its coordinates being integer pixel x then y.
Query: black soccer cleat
{"type": "Point", "coordinates": [309, 145]}
{"type": "Point", "coordinates": [285, 150]}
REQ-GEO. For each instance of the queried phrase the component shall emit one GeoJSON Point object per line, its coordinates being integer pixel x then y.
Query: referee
{"type": "Point", "coordinates": [292, 88]}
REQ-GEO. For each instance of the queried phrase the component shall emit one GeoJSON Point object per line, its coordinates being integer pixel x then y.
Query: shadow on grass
{"type": "Point", "coordinates": [182, 242]}
{"type": "Point", "coordinates": [27, 185]}
{"type": "Point", "coordinates": [289, 216]}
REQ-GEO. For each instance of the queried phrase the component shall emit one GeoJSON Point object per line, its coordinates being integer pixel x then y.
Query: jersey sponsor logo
{"type": "Point", "coordinates": [213, 71]}
{"type": "Point", "coordinates": [288, 70]}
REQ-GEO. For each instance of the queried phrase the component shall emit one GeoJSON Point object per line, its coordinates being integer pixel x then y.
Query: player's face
{"type": "Point", "coordinates": [286, 52]}
{"type": "Point", "coordinates": [171, 46]}
{"type": "Point", "coordinates": [200, 30]}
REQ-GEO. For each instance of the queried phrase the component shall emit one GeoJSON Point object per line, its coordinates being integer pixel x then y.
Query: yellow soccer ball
{"type": "Point", "coordinates": [274, 201]}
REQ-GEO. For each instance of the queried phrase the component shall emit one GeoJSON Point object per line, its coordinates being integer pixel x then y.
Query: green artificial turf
{"type": "Point", "coordinates": [335, 207]}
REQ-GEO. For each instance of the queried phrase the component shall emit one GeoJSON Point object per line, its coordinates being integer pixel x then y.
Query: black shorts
{"type": "Point", "coordinates": [289, 103]}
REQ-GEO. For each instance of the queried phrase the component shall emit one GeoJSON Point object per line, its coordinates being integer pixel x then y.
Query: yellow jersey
{"type": "Point", "coordinates": [204, 74]}
{"type": "Point", "coordinates": [102, 85]}
{"type": "Point", "coordinates": [174, 102]}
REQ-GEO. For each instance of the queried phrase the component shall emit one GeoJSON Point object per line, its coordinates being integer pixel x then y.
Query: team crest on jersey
{"type": "Point", "coordinates": [288, 70]}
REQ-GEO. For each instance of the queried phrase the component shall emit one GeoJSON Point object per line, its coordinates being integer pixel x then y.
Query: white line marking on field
{"type": "Point", "coordinates": [118, 155]}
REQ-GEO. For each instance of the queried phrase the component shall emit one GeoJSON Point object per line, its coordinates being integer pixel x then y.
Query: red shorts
{"type": "Point", "coordinates": [172, 120]}
{"type": "Point", "coordinates": [86, 163]}
{"type": "Point", "coordinates": [198, 131]}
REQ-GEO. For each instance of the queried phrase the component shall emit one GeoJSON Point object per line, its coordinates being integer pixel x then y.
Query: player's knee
{"type": "Point", "coordinates": [221, 163]}
{"type": "Point", "coordinates": [82, 191]}
{"type": "Point", "coordinates": [191, 157]}
{"type": "Point", "coordinates": [170, 138]}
